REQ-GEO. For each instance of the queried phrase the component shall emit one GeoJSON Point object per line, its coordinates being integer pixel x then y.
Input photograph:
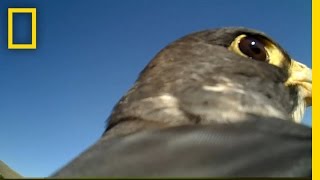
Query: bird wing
{"type": "Point", "coordinates": [261, 148]}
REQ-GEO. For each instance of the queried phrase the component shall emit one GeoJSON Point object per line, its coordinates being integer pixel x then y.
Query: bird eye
{"type": "Point", "coordinates": [253, 48]}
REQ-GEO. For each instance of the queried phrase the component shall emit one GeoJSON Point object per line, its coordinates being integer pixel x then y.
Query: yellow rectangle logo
{"type": "Point", "coordinates": [33, 12]}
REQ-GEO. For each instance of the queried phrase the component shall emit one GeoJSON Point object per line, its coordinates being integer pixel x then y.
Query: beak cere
{"type": "Point", "coordinates": [301, 76]}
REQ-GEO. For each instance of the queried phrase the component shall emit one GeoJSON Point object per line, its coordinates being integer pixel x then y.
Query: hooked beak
{"type": "Point", "coordinates": [301, 76]}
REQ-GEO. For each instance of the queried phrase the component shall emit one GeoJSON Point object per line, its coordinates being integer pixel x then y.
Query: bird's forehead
{"type": "Point", "coordinates": [225, 36]}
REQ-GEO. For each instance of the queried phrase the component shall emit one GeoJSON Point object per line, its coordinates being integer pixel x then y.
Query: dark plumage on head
{"type": "Point", "coordinates": [215, 76]}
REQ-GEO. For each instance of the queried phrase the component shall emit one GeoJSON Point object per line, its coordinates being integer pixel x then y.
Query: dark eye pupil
{"type": "Point", "coordinates": [253, 48]}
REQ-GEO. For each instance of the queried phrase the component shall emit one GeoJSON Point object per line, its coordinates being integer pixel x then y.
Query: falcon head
{"type": "Point", "coordinates": [224, 75]}
{"type": "Point", "coordinates": [299, 76]}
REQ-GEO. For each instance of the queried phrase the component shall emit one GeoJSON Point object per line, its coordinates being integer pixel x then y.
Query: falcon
{"type": "Point", "coordinates": [224, 102]}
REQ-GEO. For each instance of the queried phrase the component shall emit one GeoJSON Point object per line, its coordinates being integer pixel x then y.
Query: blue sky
{"type": "Point", "coordinates": [54, 100]}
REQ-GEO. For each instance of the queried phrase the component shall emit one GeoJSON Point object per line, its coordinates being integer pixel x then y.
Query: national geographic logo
{"type": "Point", "coordinates": [33, 44]}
